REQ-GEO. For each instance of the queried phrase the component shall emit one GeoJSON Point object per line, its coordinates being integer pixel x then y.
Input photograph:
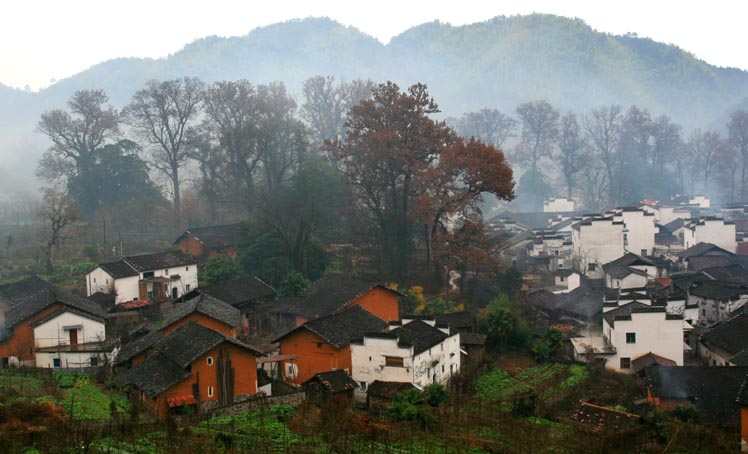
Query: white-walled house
{"type": "Point", "coordinates": [70, 338]}
{"type": "Point", "coordinates": [596, 241]}
{"type": "Point", "coordinates": [640, 230]}
{"type": "Point", "coordinates": [558, 205]}
{"type": "Point", "coordinates": [712, 230]}
{"type": "Point", "coordinates": [160, 276]}
{"type": "Point", "coordinates": [566, 281]}
{"type": "Point", "coordinates": [416, 352]}
{"type": "Point", "coordinates": [637, 329]}
{"type": "Point", "coordinates": [630, 271]}
{"type": "Point", "coordinates": [716, 300]}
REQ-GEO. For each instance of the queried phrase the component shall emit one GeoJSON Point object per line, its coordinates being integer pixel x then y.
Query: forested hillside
{"type": "Point", "coordinates": [498, 64]}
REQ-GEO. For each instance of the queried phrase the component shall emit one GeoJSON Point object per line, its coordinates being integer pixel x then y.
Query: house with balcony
{"type": "Point", "coordinates": [156, 277]}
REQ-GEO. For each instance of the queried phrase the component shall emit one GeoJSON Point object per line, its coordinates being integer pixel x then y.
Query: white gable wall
{"type": "Point", "coordinates": [654, 333]}
{"type": "Point", "coordinates": [596, 244]}
{"type": "Point", "coordinates": [53, 333]}
{"type": "Point", "coordinates": [99, 280]}
{"type": "Point", "coordinates": [640, 233]}
{"type": "Point", "coordinates": [713, 231]}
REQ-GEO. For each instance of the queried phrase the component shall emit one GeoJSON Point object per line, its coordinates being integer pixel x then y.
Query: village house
{"type": "Point", "coordinates": [630, 271]}
{"type": "Point", "coordinates": [551, 250]}
{"type": "Point", "coordinates": [596, 241]}
{"type": "Point", "coordinates": [416, 352]}
{"type": "Point", "coordinates": [640, 229]}
{"type": "Point", "coordinates": [252, 297]}
{"type": "Point", "coordinates": [709, 390]}
{"type": "Point", "coordinates": [50, 327]}
{"type": "Point", "coordinates": [381, 394]}
{"type": "Point", "coordinates": [565, 281]}
{"type": "Point", "coordinates": [335, 292]}
{"type": "Point", "coordinates": [323, 344]}
{"type": "Point", "coordinates": [716, 300]}
{"type": "Point", "coordinates": [726, 344]}
{"type": "Point", "coordinates": [558, 205]}
{"type": "Point", "coordinates": [712, 230]}
{"type": "Point", "coordinates": [155, 277]}
{"type": "Point", "coordinates": [210, 241]}
{"type": "Point", "coordinates": [335, 384]}
{"type": "Point", "coordinates": [196, 367]}
{"type": "Point", "coordinates": [202, 309]}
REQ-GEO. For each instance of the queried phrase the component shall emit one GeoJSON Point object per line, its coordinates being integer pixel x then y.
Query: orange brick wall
{"type": "Point", "coordinates": [190, 245]}
{"type": "Point", "coordinates": [245, 378]}
{"type": "Point", "coordinates": [380, 302]}
{"type": "Point", "coordinates": [22, 342]}
{"type": "Point", "coordinates": [314, 355]}
{"type": "Point", "coordinates": [203, 320]}
{"type": "Point", "coordinates": [744, 423]}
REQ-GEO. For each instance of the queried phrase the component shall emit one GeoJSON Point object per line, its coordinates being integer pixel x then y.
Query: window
{"type": "Point", "coordinates": [148, 274]}
{"type": "Point", "coordinates": [166, 272]}
{"type": "Point", "coordinates": [560, 265]}
{"type": "Point", "coordinates": [562, 278]}
{"type": "Point", "coordinates": [94, 280]}
{"type": "Point", "coordinates": [94, 361]}
{"type": "Point", "coordinates": [370, 358]}
{"type": "Point", "coordinates": [187, 287]}
{"type": "Point", "coordinates": [442, 367]}
{"type": "Point", "coordinates": [625, 363]}
{"type": "Point", "coordinates": [393, 361]}
{"type": "Point", "coordinates": [210, 391]}
{"type": "Point", "coordinates": [107, 281]}
{"type": "Point", "coordinates": [362, 384]}
{"type": "Point", "coordinates": [150, 293]}
{"type": "Point", "coordinates": [630, 338]}
{"type": "Point", "coordinates": [186, 268]}
{"type": "Point", "coordinates": [625, 239]}
{"type": "Point", "coordinates": [592, 266]}
{"type": "Point", "coordinates": [209, 360]}
{"type": "Point", "coordinates": [644, 253]}
{"type": "Point", "coordinates": [555, 252]}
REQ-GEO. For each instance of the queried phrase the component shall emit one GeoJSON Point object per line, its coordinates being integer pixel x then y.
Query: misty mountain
{"type": "Point", "coordinates": [498, 63]}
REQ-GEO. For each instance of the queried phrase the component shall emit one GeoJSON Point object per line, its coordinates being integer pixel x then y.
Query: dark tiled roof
{"type": "Point", "coordinates": [215, 236]}
{"type": "Point", "coordinates": [665, 238]}
{"type": "Point", "coordinates": [712, 390]}
{"type": "Point", "coordinates": [650, 359]}
{"type": "Point", "coordinates": [340, 328]}
{"type": "Point", "coordinates": [472, 339]}
{"type": "Point", "coordinates": [239, 291]}
{"type": "Point", "coordinates": [137, 346]}
{"type": "Point", "coordinates": [420, 335]}
{"type": "Point", "coordinates": [119, 269]}
{"type": "Point", "coordinates": [206, 305]}
{"type": "Point", "coordinates": [620, 267]}
{"type": "Point", "coordinates": [675, 224]}
{"type": "Point", "coordinates": [45, 297]}
{"type": "Point", "coordinates": [26, 289]}
{"type": "Point", "coordinates": [728, 336]}
{"type": "Point", "coordinates": [603, 419]}
{"type": "Point", "coordinates": [455, 321]}
{"type": "Point", "coordinates": [584, 301]}
{"type": "Point", "coordinates": [63, 310]}
{"type": "Point", "coordinates": [334, 381]}
{"type": "Point", "coordinates": [734, 273]}
{"type": "Point", "coordinates": [332, 293]}
{"type": "Point", "coordinates": [716, 290]}
{"type": "Point", "coordinates": [192, 340]}
{"type": "Point", "coordinates": [703, 248]}
{"type": "Point", "coordinates": [387, 389]}
{"type": "Point", "coordinates": [159, 260]}
{"type": "Point", "coordinates": [154, 375]}
{"type": "Point", "coordinates": [624, 312]}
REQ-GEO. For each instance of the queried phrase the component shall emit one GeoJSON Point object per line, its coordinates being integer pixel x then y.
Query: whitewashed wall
{"type": "Point", "coordinates": [51, 333]}
{"type": "Point", "coordinates": [641, 229]}
{"type": "Point", "coordinates": [99, 280]}
{"type": "Point", "coordinates": [558, 205]}
{"type": "Point", "coordinates": [598, 243]}
{"type": "Point", "coordinates": [713, 231]}
{"type": "Point", "coordinates": [72, 360]}
{"type": "Point", "coordinates": [654, 333]}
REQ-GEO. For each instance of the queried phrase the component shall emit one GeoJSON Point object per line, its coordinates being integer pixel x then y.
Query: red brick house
{"type": "Point", "coordinates": [205, 242]}
{"type": "Point", "coordinates": [335, 292]}
{"type": "Point", "coordinates": [194, 366]}
{"type": "Point", "coordinates": [323, 344]}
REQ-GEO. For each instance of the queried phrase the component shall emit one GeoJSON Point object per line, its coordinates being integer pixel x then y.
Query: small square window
{"type": "Point", "coordinates": [186, 268]}
{"type": "Point", "coordinates": [625, 363]}
{"type": "Point", "coordinates": [209, 360]}
{"type": "Point", "coordinates": [562, 278]}
{"type": "Point", "coordinates": [592, 266]}
{"type": "Point", "coordinates": [166, 272]}
{"type": "Point", "coordinates": [187, 287]}
{"type": "Point", "coordinates": [393, 361]}
{"type": "Point", "coordinates": [630, 338]}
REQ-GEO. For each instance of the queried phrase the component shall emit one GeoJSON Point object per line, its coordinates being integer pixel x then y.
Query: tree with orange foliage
{"type": "Point", "coordinates": [411, 174]}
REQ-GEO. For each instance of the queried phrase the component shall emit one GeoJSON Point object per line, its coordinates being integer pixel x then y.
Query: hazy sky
{"type": "Point", "coordinates": [42, 40]}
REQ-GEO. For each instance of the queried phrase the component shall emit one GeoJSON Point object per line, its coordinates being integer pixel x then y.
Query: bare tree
{"type": "Point", "coordinates": [703, 149]}
{"type": "Point", "coordinates": [489, 125]}
{"type": "Point", "coordinates": [571, 147]}
{"type": "Point", "coordinates": [162, 114]}
{"type": "Point", "coordinates": [76, 134]}
{"type": "Point", "coordinates": [539, 131]}
{"type": "Point", "coordinates": [595, 185]}
{"type": "Point", "coordinates": [737, 129]}
{"type": "Point", "coordinates": [603, 127]}
{"type": "Point", "coordinates": [57, 213]}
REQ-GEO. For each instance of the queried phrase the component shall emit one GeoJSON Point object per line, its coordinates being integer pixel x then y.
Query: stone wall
{"type": "Point", "coordinates": [258, 401]}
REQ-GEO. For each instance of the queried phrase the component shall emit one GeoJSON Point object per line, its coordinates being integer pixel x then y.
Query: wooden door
{"type": "Point", "coordinates": [73, 336]}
